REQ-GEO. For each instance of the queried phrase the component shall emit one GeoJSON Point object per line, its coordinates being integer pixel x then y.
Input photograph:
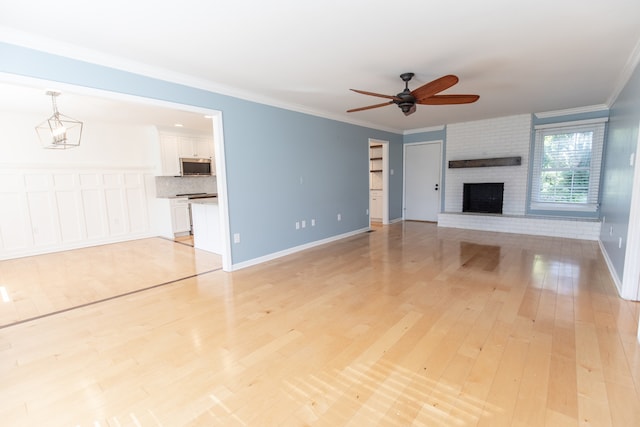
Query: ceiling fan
{"type": "Point", "coordinates": [425, 94]}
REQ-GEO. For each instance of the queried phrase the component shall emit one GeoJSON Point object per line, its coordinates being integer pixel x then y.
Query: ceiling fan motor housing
{"type": "Point", "coordinates": [406, 101]}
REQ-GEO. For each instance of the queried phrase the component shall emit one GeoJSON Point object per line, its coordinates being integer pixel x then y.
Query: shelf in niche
{"type": "Point", "coordinates": [375, 158]}
{"type": "Point", "coordinates": [375, 170]}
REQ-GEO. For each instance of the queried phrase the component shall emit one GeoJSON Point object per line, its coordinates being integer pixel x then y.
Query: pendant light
{"type": "Point", "coordinates": [59, 131]}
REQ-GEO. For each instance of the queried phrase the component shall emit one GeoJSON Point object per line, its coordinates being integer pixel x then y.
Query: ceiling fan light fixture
{"type": "Point", "coordinates": [59, 131]}
{"type": "Point", "coordinates": [406, 106]}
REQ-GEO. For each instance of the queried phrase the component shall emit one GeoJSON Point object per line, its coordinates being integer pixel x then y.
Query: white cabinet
{"type": "Point", "coordinates": [375, 204]}
{"type": "Point", "coordinates": [174, 146]}
{"type": "Point", "coordinates": [169, 155]}
{"type": "Point", "coordinates": [180, 218]}
{"type": "Point", "coordinates": [195, 146]}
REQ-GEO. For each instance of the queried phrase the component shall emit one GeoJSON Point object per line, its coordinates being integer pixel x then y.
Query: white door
{"type": "Point", "coordinates": [422, 181]}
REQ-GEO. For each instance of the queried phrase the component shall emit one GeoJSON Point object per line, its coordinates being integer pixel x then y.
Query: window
{"type": "Point", "coordinates": [566, 166]}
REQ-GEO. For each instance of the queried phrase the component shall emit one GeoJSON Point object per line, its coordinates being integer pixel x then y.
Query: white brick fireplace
{"type": "Point", "coordinates": [495, 138]}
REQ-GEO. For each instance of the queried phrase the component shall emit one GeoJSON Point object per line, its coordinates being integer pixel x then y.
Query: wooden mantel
{"type": "Point", "coordinates": [480, 163]}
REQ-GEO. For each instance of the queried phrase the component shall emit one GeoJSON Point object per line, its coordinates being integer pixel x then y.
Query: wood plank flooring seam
{"type": "Point", "coordinates": [53, 313]}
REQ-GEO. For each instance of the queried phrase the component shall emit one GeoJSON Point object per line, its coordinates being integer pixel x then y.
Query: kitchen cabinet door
{"type": "Point", "coordinates": [195, 147]}
{"type": "Point", "coordinates": [203, 147]}
{"type": "Point", "coordinates": [169, 155]}
{"type": "Point", "coordinates": [180, 216]}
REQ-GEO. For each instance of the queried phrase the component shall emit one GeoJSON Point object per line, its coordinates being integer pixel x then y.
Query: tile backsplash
{"type": "Point", "coordinates": [167, 186]}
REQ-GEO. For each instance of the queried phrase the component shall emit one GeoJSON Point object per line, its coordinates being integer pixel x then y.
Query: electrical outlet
{"type": "Point", "coordinates": [391, 172]}
{"type": "Point", "coordinates": [304, 224]}
{"type": "Point", "coordinates": [620, 243]}
{"type": "Point", "coordinates": [236, 237]}
{"type": "Point", "coordinates": [611, 230]}
{"type": "Point", "coordinates": [297, 225]}
{"type": "Point", "coordinates": [339, 217]}
{"type": "Point", "coordinates": [313, 222]}
{"type": "Point", "coordinates": [366, 212]}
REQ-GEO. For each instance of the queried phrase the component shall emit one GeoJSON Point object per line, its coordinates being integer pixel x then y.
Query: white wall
{"type": "Point", "coordinates": [501, 137]}
{"type": "Point", "coordinates": [53, 200]}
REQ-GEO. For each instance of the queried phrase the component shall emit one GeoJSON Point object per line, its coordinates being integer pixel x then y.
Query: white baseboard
{"type": "Point", "coordinates": [32, 251]}
{"type": "Point", "coordinates": [275, 255]}
{"type": "Point", "coordinates": [612, 270]}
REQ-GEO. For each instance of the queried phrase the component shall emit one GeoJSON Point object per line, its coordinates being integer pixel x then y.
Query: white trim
{"type": "Point", "coordinates": [631, 269]}
{"type": "Point", "coordinates": [385, 178]}
{"type": "Point", "coordinates": [293, 250]}
{"type": "Point", "coordinates": [570, 111]}
{"type": "Point", "coordinates": [573, 123]}
{"type": "Point", "coordinates": [90, 91]}
{"type": "Point", "coordinates": [32, 251]}
{"type": "Point", "coordinates": [612, 270]}
{"type": "Point", "coordinates": [421, 130]}
{"type": "Point", "coordinates": [625, 74]}
{"type": "Point", "coordinates": [223, 197]}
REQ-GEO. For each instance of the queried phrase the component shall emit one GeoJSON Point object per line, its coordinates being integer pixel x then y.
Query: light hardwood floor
{"type": "Point", "coordinates": [409, 325]}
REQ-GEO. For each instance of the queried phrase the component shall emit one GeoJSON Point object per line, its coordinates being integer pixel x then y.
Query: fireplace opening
{"type": "Point", "coordinates": [485, 197]}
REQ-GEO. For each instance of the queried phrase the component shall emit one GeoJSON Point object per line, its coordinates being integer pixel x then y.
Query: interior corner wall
{"type": "Point", "coordinates": [499, 137]}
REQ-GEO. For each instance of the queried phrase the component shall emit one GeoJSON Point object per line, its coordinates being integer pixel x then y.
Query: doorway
{"type": "Point", "coordinates": [422, 172]}
{"type": "Point", "coordinates": [378, 181]}
{"type": "Point", "coordinates": [155, 105]}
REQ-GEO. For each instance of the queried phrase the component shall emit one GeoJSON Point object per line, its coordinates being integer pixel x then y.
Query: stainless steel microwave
{"type": "Point", "coordinates": [195, 167]}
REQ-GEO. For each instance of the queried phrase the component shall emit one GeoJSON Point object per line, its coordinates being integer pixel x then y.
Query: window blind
{"type": "Point", "coordinates": [566, 167]}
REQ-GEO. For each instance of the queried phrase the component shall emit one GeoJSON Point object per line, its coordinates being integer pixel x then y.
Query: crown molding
{"type": "Point", "coordinates": [625, 74]}
{"type": "Point", "coordinates": [67, 50]}
{"type": "Point", "coordinates": [422, 130]}
{"type": "Point", "coordinates": [571, 111]}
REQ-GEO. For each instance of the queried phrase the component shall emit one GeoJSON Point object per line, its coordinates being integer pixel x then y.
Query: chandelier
{"type": "Point", "coordinates": [59, 131]}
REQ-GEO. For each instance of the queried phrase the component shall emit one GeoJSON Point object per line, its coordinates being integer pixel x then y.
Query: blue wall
{"type": "Point", "coordinates": [282, 166]}
{"type": "Point", "coordinates": [622, 139]}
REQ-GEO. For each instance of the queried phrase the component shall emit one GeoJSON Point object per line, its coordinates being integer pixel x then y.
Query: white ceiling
{"type": "Point", "coordinates": [519, 56]}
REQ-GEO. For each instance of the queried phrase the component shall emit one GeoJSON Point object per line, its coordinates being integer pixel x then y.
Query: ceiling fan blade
{"type": "Point", "coordinates": [370, 107]}
{"type": "Point", "coordinates": [435, 86]}
{"type": "Point", "coordinates": [380, 95]}
{"type": "Point", "coordinates": [449, 99]}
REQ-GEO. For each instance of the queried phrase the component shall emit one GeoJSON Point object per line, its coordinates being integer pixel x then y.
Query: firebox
{"type": "Point", "coordinates": [484, 197]}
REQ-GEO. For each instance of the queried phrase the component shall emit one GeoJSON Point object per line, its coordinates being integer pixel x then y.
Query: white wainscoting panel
{"type": "Point", "coordinates": [52, 209]}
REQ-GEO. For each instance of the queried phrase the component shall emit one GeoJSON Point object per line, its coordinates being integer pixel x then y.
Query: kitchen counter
{"type": "Point", "coordinates": [206, 224]}
{"type": "Point", "coordinates": [195, 196]}
{"type": "Point", "coordinates": [204, 201]}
